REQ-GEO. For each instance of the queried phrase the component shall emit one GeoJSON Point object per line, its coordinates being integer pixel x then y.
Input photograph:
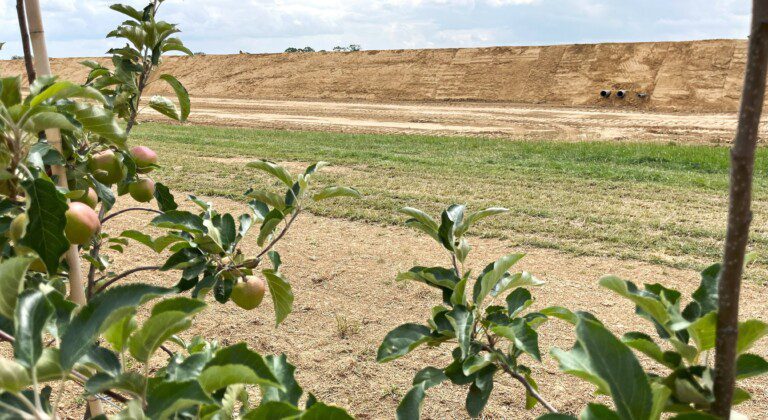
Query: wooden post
{"type": "Point", "coordinates": [739, 211]}
{"type": "Point", "coordinates": [43, 68]}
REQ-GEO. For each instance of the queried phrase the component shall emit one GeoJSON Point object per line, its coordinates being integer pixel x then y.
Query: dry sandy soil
{"type": "Point", "coordinates": [472, 119]}
{"type": "Point", "coordinates": [342, 270]}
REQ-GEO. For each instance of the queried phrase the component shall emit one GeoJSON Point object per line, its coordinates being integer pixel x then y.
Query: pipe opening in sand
{"type": "Point", "coordinates": [605, 93]}
{"type": "Point", "coordinates": [621, 94]}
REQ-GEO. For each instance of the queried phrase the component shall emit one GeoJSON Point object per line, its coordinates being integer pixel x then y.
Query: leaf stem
{"type": "Point", "coordinates": [520, 378]}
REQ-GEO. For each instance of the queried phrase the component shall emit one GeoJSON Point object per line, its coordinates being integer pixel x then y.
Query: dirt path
{"type": "Point", "coordinates": [343, 272]}
{"type": "Point", "coordinates": [503, 120]}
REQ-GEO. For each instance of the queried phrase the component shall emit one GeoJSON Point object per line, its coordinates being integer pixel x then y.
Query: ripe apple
{"type": "Point", "coordinates": [144, 158]}
{"type": "Point", "coordinates": [106, 168]}
{"type": "Point", "coordinates": [82, 223]}
{"type": "Point", "coordinates": [142, 190]}
{"type": "Point", "coordinates": [91, 199]}
{"type": "Point", "coordinates": [249, 293]}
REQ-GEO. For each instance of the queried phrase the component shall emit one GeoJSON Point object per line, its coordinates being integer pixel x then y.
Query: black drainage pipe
{"type": "Point", "coordinates": [621, 94]}
{"type": "Point", "coordinates": [605, 93]}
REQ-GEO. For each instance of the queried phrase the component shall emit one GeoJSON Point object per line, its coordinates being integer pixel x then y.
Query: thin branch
{"type": "Point", "coordinates": [117, 213]}
{"type": "Point", "coordinates": [126, 274]}
{"type": "Point", "coordinates": [520, 378]}
{"type": "Point", "coordinates": [280, 236]}
{"type": "Point", "coordinates": [455, 265]}
{"type": "Point", "coordinates": [739, 211]}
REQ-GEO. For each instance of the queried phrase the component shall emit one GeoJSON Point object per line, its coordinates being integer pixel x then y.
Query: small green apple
{"type": "Point", "coordinates": [249, 293]}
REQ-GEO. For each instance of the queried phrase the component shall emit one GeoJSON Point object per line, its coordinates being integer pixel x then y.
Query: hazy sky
{"type": "Point", "coordinates": [77, 27]}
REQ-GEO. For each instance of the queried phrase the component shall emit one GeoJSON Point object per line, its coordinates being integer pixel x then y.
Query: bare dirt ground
{"type": "Point", "coordinates": [343, 272]}
{"type": "Point", "coordinates": [472, 119]}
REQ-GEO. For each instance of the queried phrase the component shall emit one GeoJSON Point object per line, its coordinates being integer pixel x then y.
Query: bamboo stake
{"type": "Point", "coordinates": [739, 211]}
{"type": "Point", "coordinates": [43, 68]}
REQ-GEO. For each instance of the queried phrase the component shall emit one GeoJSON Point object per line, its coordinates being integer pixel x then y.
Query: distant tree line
{"type": "Point", "coordinates": [350, 48]}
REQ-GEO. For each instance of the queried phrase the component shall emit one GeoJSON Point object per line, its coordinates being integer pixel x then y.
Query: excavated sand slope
{"type": "Point", "coordinates": [695, 75]}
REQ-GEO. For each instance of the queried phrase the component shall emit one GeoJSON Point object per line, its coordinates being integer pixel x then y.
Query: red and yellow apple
{"type": "Point", "coordinates": [144, 158]}
{"type": "Point", "coordinates": [91, 199]}
{"type": "Point", "coordinates": [142, 190]}
{"type": "Point", "coordinates": [106, 167]}
{"type": "Point", "coordinates": [82, 223]}
{"type": "Point", "coordinates": [249, 293]}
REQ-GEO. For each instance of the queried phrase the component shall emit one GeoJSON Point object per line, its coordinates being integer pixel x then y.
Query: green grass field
{"type": "Point", "coordinates": [660, 203]}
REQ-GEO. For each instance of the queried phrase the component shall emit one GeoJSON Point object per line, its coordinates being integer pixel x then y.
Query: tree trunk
{"type": "Point", "coordinates": [25, 41]}
{"type": "Point", "coordinates": [739, 212]}
{"type": "Point", "coordinates": [43, 67]}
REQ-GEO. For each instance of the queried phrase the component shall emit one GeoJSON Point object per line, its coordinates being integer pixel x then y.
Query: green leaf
{"type": "Point", "coordinates": [480, 391]}
{"type": "Point", "coordinates": [132, 383]}
{"type": "Point", "coordinates": [284, 372]}
{"type": "Point", "coordinates": [181, 94]}
{"type": "Point", "coordinates": [166, 398]}
{"type": "Point", "coordinates": [458, 297]}
{"type": "Point", "coordinates": [268, 198]}
{"type": "Point", "coordinates": [101, 122]}
{"type": "Point", "coordinates": [649, 304]}
{"type": "Point", "coordinates": [450, 217]}
{"type": "Point", "coordinates": [703, 331]}
{"type": "Point", "coordinates": [423, 218]}
{"type": "Point", "coordinates": [282, 296]}
{"type": "Point", "coordinates": [237, 365]}
{"type": "Point", "coordinates": [45, 230]}
{"type": "Point", "coordinates": [644, 344]}
{"type": "Point", "coordinates": [164, 198]}
{"type": "Point", "coordinates": [706, 294]}
{"type": "Point", "coordinates": [10, 91]}
{"type": "Point", "coordinates": [32, 313]}
{"type": "Point", "coordinates": [576, 362]}
{"type": "Point", "coordinates": [750, 365]}
{"type": "Point", "coordinates": [157, 245]}
{"type": "Point", "coordinates": [617, 366]}
{"type": "Point", "coordinates": [522, 335]}
{"type": "Point", "coordinates": [269, 225]}
{"type": "Point", "coordinates": [462, 321]}
{"type": "Point", "coordinates": [42, 121]}
{"type": "Point", "coordinates": [168, 317]}
{"type": "Point", "coordinates": [180, 220]}
{"type": "Point", "coordinates": [492, 274]}
{"type": "Point", "coordinates": [510, 281]}
{"type": "Point", "coordinates": [750, 332]}
{"type": "Point", "coordinates": [332, 192]}
{"type": "Point", "coordinates": [518, 301]}
{"type": "Point", "coordinates": [560, 312]}
{"type": "Point", "coordinates": [273, 410]}
{"type": "Point", "coordinates": [12, 272]}
{"type": "Point", "coordinates": [117, 334]}
{"type": "Point", "coordinates": [65, 90]}
{"type": "Point", "coordinates": [128, 10]}
{"type": "Point", "coordinates": [164, 106]}
{"type": "Point", "coordinates": [13, 376]}
{"type": "Point", "coordinates": [430, 377]}
{"type": "Point", "coordinates": [273, 169]}
{"type": "Point", "coordinates": [661, 396]}
{"type": "Point", "coordinates": [410, 406]}
{"type": "Point", "coordinates": [477, 362]}
{"type": "Point", "coordinates": [433, 276]}
{"type": "Point", "coordinates": [320, 411]}
{"type": "Point", "coordinates": [598, 412]}
{"type": "Point", "coordinates": [475, 217]}
{"type": "Point", "coordinates": [107, 307]}
{"type": "Point", "coordinates": [401, 341]}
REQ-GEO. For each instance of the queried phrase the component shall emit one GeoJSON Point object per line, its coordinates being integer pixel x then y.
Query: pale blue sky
{"type": "Point", "coordinates": [77, 27]}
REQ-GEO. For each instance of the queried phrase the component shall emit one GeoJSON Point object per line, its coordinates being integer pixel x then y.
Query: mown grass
{"type": "Point", "coordinates": [661, 203]}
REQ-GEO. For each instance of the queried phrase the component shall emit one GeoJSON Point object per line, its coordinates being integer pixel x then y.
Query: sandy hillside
{"type": "Point", "coordinates": [694, 75]}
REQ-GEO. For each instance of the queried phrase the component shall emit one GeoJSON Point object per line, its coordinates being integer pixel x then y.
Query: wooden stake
{"type": "Point", "coordinates": [43, 68]}
{"type": "Point", "coordinates": [739, 211]}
